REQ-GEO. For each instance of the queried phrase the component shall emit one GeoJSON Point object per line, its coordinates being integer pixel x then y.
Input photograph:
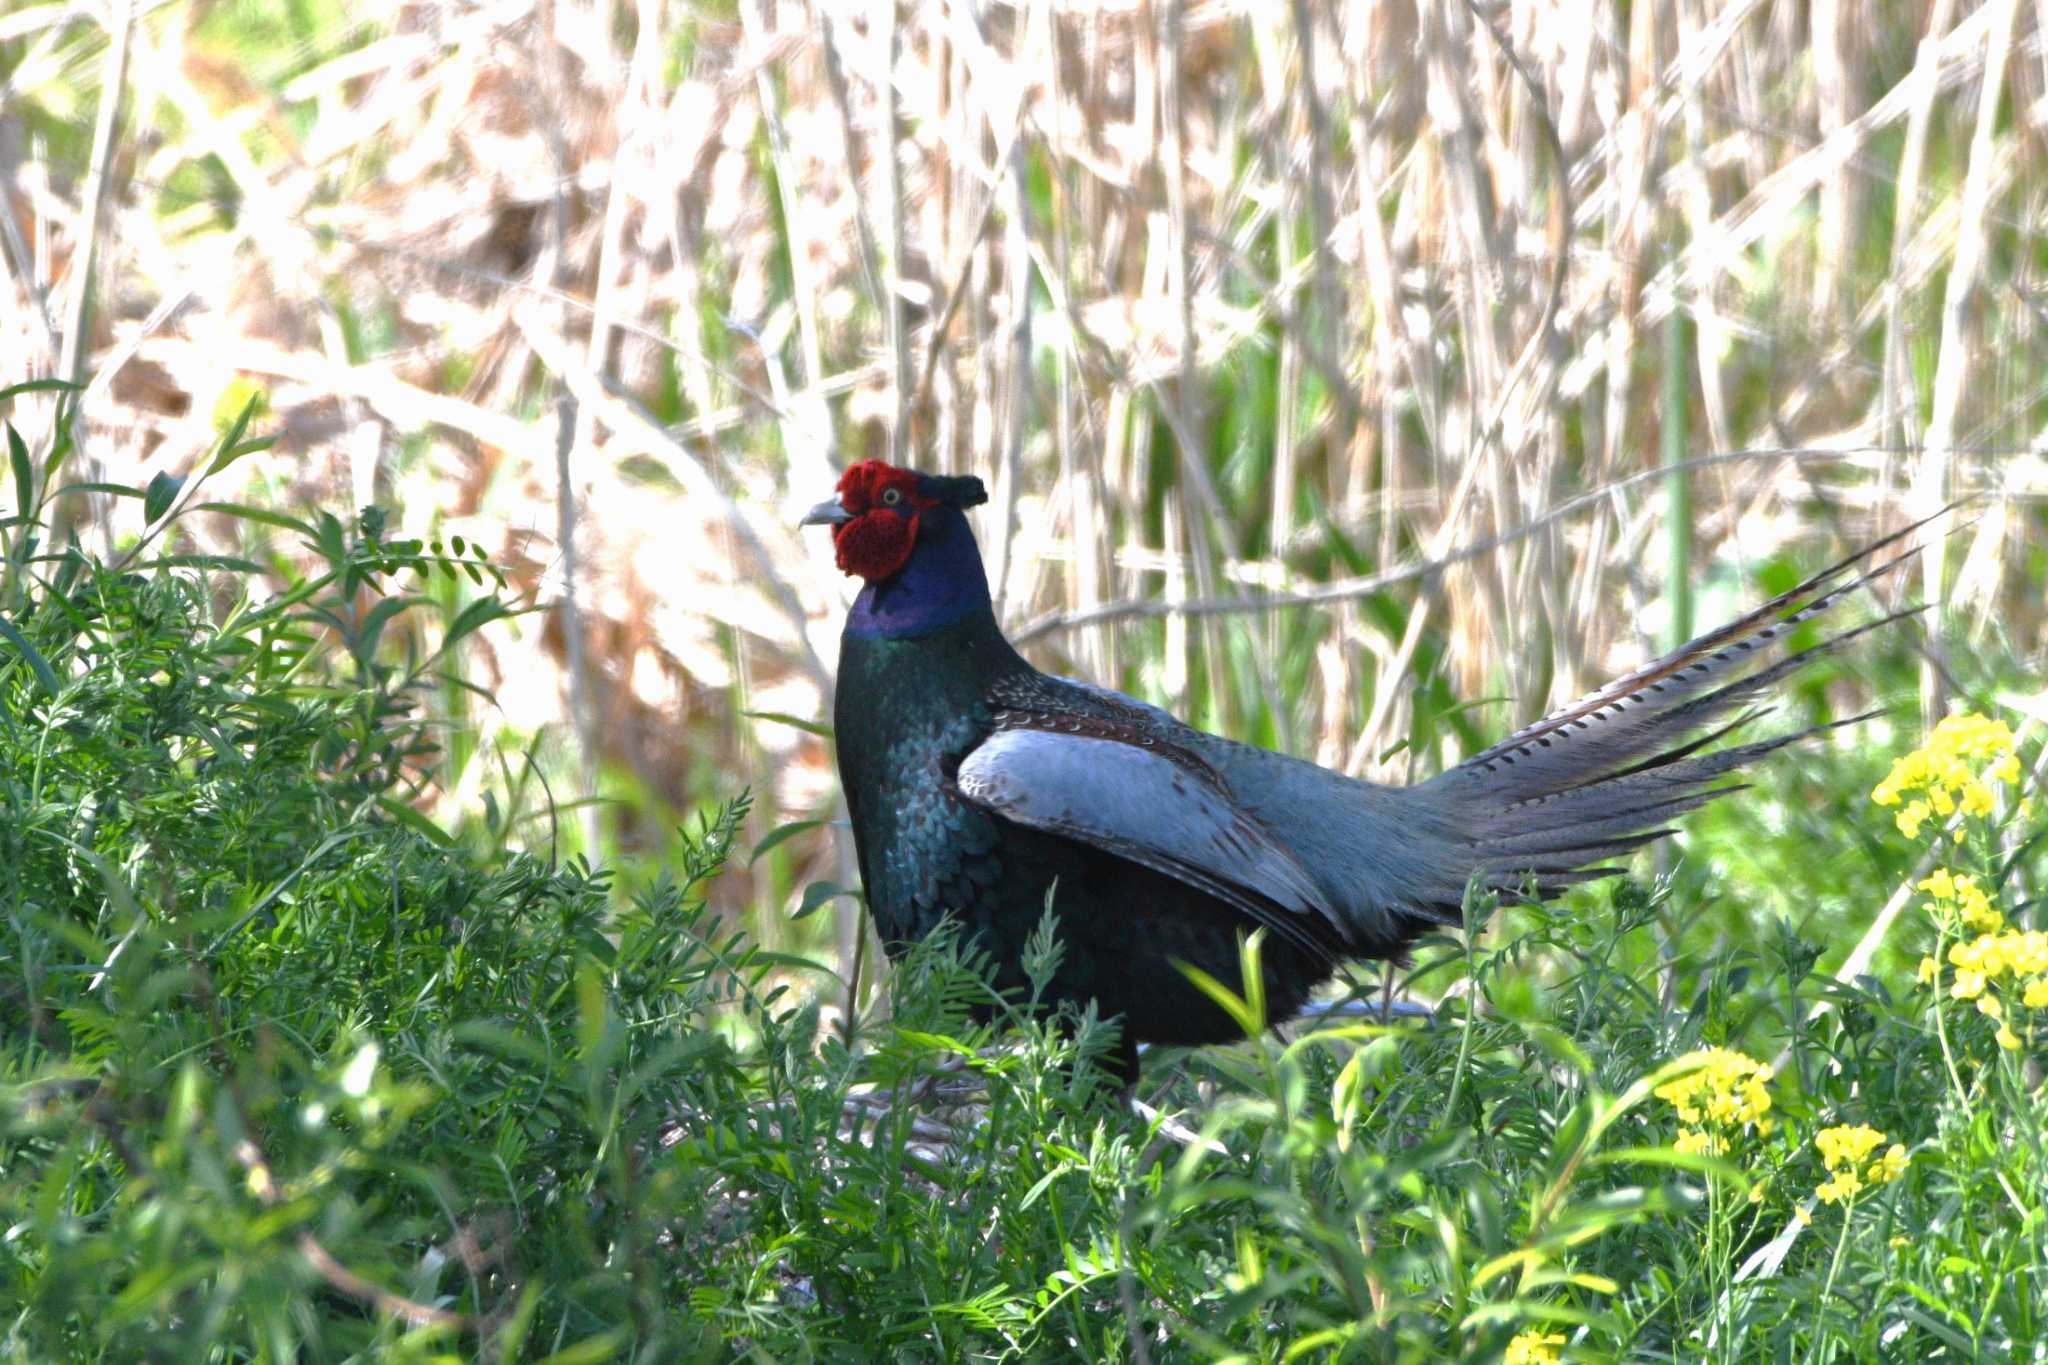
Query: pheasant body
{"type": "Point", "coordinates": [978, 786]}
{"type": "Point", "coordinates": [909, 715]}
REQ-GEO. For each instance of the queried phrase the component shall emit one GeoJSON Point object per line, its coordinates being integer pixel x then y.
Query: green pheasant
{"type": "Point", "coordinates": [977, 783]}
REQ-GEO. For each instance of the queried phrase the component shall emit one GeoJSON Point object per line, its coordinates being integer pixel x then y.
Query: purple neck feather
{"type": "Point", "coordinates": [942, 583]}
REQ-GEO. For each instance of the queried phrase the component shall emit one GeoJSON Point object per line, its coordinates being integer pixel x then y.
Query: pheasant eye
{"type": "Point", "coordinates": [891, 496]}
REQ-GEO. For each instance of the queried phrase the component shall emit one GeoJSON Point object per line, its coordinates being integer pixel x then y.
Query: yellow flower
{"type": "Point", "coordinates": [1839, 1189]}
{"type": "Point", "coordinates": [2008, 1040]}
{"type": "Point", "coordinates": [2012, 956]}
{"type": "Point", "coordinates": [1955, 896]}
{"type": "Point", "coordinates": [1728, 1090]}
{"type": "Point", "coordinates": [1533, 1347]}
{"type": "Point", "coordinates": [1846, 1146]}
{"type": "Point", "coordinates": [1693, 1142]}
{"type": "Point", "coordinates": [1845, 1151]}
{"type": "Point", "coordinates": [1943, 775]}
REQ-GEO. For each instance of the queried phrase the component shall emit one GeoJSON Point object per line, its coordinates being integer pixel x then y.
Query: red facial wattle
{"type": "Point", "coordinates": [875, 543]}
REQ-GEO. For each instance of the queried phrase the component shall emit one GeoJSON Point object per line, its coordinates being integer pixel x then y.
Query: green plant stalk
{"type": "Point", "coordinates": [1716, 1269]}
{"type": "Point", "coordinates": [1834, 1268]}
{"type": "Point", "coordinates": [1475, 913]}
{"type": "Point", "coordinates": [1948, 1056]}
{"type": "Point", "coordinates": [1464, 1036]}
{"type": "Point", "coordinates": [860, 952]}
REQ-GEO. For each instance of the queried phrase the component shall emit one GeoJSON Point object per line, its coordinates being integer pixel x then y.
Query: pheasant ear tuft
{"type": "Point", "coordinates": [961, 490]}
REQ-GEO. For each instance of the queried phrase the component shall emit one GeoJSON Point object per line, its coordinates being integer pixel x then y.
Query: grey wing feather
{"type": "Point", "coordinates": [1142, 805]}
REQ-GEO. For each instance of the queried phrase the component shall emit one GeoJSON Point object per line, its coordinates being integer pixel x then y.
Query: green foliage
{"type": "Point", "coordinates": [288, 1073]}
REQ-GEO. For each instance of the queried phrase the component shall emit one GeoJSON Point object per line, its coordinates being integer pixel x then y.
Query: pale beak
{"type": "Point", "coordinates": [827, 513]}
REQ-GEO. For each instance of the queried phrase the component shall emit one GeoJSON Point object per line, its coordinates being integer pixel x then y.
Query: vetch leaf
{"type": "Point", "coordinates": [817, 894]}
{"type": "Point", "coordinates": [414, 821]}
{"type": "Point", "coordinates": [263, 514]}
{"type": "Point", "coordinates": [229, 454]}
{"type": "Point", "coordinates": [119, 490]}
{"type": "Point", "coordinates": [230, 448]}
{"type": "Point", "coordinates": [781, 834]}
{"type": "Point", "coordinates": [812, 727]}
{"type": "Point", "coordinates": [39, 386]}
{"type": "Point", "coordinates": [474, 617]}
{"type": "Point", "coordinates": [374, 621]}
{"type": "Point", "coordinates": [24, 472]}
{"type": "Point", "coordinates": [37, 664]}
{"type": "Point", "coordinates": [1227, 1000]}
{"type": "Point", "coordinates": [161, 493]}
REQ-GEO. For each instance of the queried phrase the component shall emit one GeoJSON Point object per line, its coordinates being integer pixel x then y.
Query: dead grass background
{"type": "Point", "coordinates": [1327, 361]}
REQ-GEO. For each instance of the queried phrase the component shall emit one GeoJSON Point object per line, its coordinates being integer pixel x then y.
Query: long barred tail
{"type": "Point", "coordinates": [1607, 773]}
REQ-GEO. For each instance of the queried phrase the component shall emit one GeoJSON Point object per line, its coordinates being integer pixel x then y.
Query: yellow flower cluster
{"type": "Point", "coordinates": [1846, 1152]}
{"type": "Point", "coordinates": [1729, 1093]}
{"type": "Point", "coordinates": [1533, 1347]}
{"type": "Point", "coordinates": [1955, 897]}
{"type": "Point", "coordinates": [1951, 772]}
{"type": "Point", "coordinates": [1989, 959]}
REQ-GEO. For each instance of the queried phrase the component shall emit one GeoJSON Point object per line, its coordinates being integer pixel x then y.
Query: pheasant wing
{"type": "Point", "coordinates": [1154, 804]}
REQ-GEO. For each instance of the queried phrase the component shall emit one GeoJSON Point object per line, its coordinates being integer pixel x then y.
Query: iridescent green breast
{"type": "Point", "coordinates": [908, 711]}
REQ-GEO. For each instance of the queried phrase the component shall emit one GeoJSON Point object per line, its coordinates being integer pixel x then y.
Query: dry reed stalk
{"type": "Point", "coordinates": [1931, 477]}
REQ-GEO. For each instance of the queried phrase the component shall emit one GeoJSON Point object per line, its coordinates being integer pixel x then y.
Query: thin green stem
{"type": "Point", "coordinates": [1948, 1056]}
{"type": "Point", "coordinates": [1828, 1286]}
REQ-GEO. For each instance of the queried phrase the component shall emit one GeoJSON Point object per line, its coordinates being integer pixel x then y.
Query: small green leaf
{"type": "Point", "coordinates": [162, 492]}
{"type": "Point", "coordinates": [1043, 1184]}
{"type": "Point", "coordinates": [259, 514]}
{"type": "Point", "coordinates": [228, 451]}
{"type": "Point", "coordinates": [504, 1041]}
{"type": "Point", "coordinates": [817, 894]}
{"type": "Point", "coordinates": [416, 822]}
{"type": "Point", "coordinates": [37, 664]}
{"type": "Point", "coordinates": [1698, 1162]}
{"type": "Point", "coordinates": [39, 386]}
{"type": "Point", "coordinates": [229, 454]}
{"type": "Point", "coordinates": [474, 617]}
{"type": "Point", "coordinates": [24, 473]}
{"type": "Point", "coordinates": [331, 540]}
{"type": "Point", "coordinates": [795, 963]}
{"type": "Point", "coordinates": [119, 490]}
{"type": "Point", "coordinates": [1227, 1000]}
{"type": "Point", "coordinates": [374, 621]}
{"type": "Point", "coordinates": [224, 563]}
{"type": "Point", "coordinates": [781, 834]}
{"type": "Point", "coordinates": [810, 727]}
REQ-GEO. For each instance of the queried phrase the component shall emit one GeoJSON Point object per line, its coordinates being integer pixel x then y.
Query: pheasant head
{"type": "Point", "coordinates": [906, 535]}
